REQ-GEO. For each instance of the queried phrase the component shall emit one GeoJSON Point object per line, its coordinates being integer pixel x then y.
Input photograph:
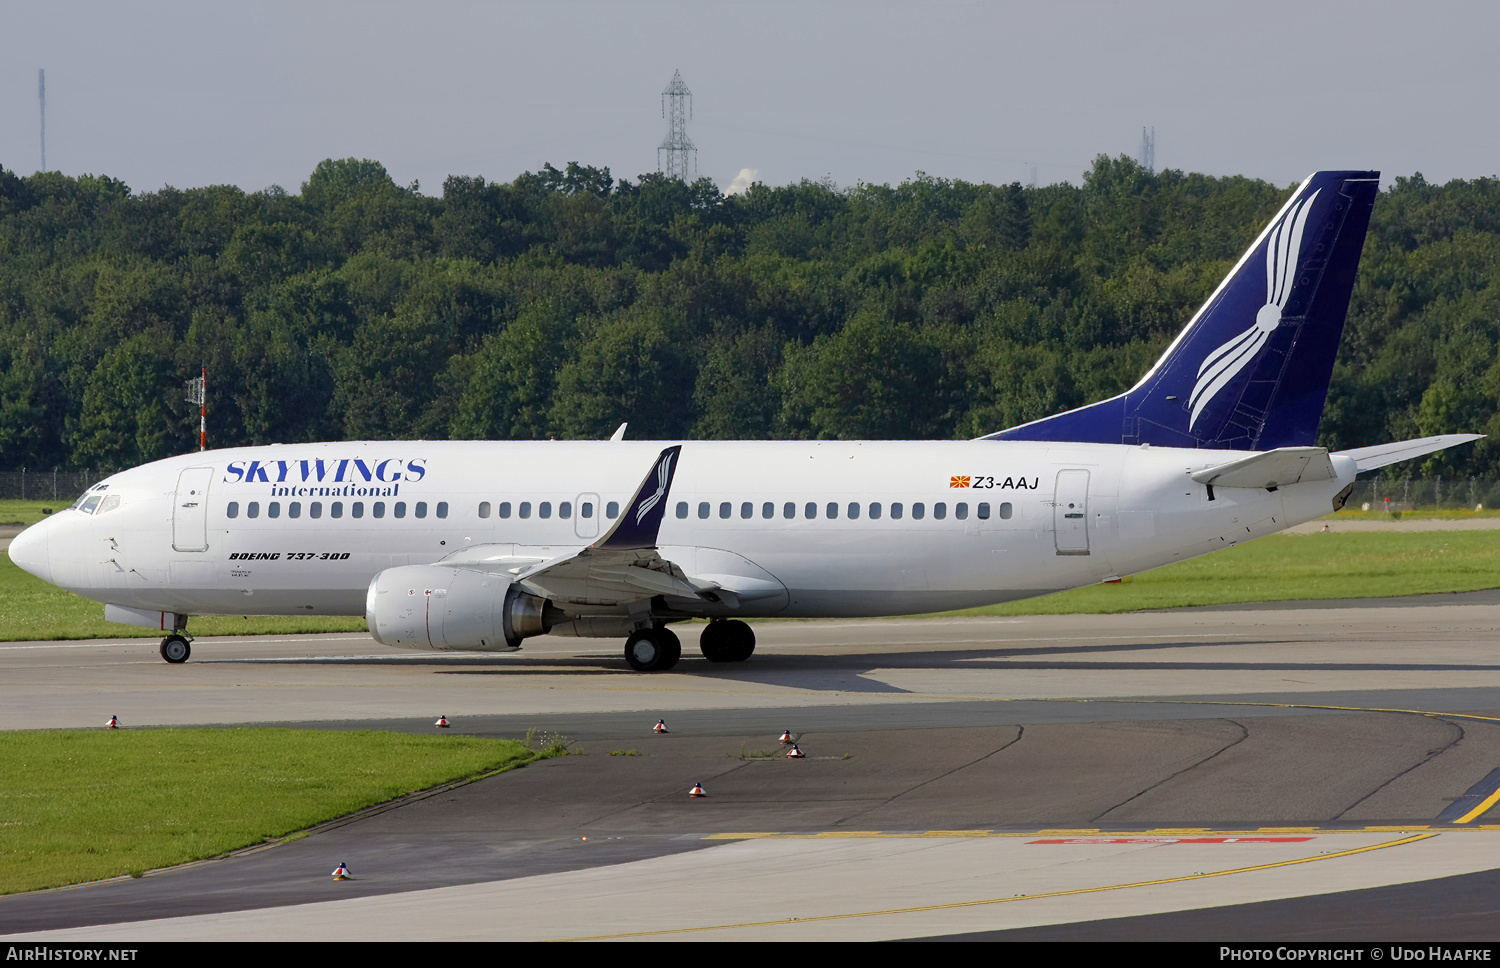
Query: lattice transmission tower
{"type": "Point", "coordinates": [1148, 150]}
{"type": "Point", "coordinates": [41, 96]}
{"type": "Point", "coordinates": [681, 153]}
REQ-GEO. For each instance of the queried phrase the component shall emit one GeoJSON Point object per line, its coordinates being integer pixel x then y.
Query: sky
{"type": "Point", "coordinates": [165, 92]}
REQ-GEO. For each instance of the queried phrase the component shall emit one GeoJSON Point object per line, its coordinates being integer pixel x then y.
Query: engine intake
{"type": "Point", "coordinates": [436, 607]}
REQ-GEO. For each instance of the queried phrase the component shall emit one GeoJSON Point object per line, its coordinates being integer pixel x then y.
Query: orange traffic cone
{"type": "Point", "coordinates": [786, 738]}
{"type": "Point", "coordinates": [114, 723]}
{"type": "Point", "coordinates": [442, 722]}
{"type": "Point", "coordinates": [342, 874]}
{"type": "Point", "coordinates": [660, 727]}
{"type": "Point", "coordinates": [794, 753]}
{"type": "Point", "coordinates": [697, 791]}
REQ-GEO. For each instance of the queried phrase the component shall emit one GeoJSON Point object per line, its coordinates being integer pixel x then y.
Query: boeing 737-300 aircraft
{"type": "Point", "coordinates": [476, 545]}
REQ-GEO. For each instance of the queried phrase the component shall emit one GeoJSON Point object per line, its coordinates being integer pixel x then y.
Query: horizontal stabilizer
{"type": "Point", "coordinates": [1369, 458]}
{"type": "Point", "coordinates": [1274, 468]}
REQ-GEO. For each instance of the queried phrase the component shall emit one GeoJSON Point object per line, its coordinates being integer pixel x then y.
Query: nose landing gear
{"type": "Point", "coordinates": [176, 648]}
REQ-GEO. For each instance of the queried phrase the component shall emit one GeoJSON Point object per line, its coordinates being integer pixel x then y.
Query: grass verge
{"type": "Point", "coordinates": [1293, 567]}
{"type": "Point", "coordinates": [1286, 567]}
{"type": "Point", "coordinates": [83, 806]}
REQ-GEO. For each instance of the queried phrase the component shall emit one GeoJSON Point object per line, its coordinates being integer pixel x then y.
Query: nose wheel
{"type": "Point", "coordinates": [175, 648]}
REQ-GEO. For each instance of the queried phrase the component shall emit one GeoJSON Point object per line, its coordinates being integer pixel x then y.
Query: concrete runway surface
{"type": "Point", "coordinates": [1322, 771]}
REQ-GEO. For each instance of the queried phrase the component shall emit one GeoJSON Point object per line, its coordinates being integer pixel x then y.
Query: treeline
{"type": "Point", "coordinates": [567, 301]}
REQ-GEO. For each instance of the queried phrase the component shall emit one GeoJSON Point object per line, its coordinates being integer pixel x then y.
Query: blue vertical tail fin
{"type": "Point", "coordinates": [1250, 371]}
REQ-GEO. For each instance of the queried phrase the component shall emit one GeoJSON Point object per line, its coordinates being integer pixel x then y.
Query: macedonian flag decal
{"type": "Point", "coordinates": [960, 480]}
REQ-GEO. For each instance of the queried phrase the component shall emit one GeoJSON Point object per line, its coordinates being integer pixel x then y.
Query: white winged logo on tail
{"type": "Point", "coordinates": [1283, 253]}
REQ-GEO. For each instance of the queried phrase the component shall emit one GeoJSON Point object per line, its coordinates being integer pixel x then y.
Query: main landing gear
{"type": "Point", "coordinates": [658, 649]}
{"type": "Point", "coordinates": [653, 649]}
{"type": "Point", "coordinates": [727, 640]}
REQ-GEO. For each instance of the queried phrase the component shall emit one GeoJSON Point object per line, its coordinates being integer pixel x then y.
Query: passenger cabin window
{"type": "Point", "coordinates": [505, 509]}
{"type": "Point", "coordinates": [252, 510]}
{"type": "Point", "coordinates": [484, 509]}
{"type": "Point", "coordinates": [918, 511]}
{"type": "Point", "coordinates": [421, 509]}
{"type": "Point", "coordinates": [400, 509]}
{"type": "Point", "coordinates": [874, 510]}
{"type": "Point", "coordinates": [336, 509]}
{"type": "Point", "coordinates": [702, 509]}
{"type": "Point", "coordinates": [612, 509]}
{"type": "Point", "coordinates": [896, 510]}
{"type": "Point", "coordinates": [442, 509]}
{"type": "Point", "coordinates": [273, 509]}
{"type": "Point", "coordinates": [565, 509]}
{"type": "Point", "coordinates": [983, 510]}
{"type": "Point", "coordinates": [315, 509]}
{"type": "Point", "coordinates": [1005, 511]}
{"type": "Point", "coordinates": [377, 509]}
{"type": "Point", "coordinates": [357, 509]}
{"type": "Point", "coordinates": [232, 510]}
{"type": "Point", "coordinates": [525, 509]}
{"type": "Point", "coordinates": [682, 509]}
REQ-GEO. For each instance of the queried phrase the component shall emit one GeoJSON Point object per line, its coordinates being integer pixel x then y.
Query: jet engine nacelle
{"type": "Point", "coordinates": [437, 607]}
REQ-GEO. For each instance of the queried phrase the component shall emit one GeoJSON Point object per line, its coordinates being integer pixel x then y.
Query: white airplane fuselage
{"type": "Point", "coordinates": [793, 528]}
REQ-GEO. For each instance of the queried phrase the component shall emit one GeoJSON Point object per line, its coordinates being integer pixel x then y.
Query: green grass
{"type": "Point", "coordinates": [1294, 567]}
{"type": "Point", "coordinates": [82, 806]}
{"type": "Point", "coordinates": [1420, 514]}
{"type": "Point", "coordinates": [14, 512]}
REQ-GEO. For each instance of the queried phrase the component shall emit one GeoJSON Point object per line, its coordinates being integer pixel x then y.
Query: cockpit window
{"type": "Point", "coordinates": [110, 503]}
{"type": "Point", "coordinates": [89, 500]}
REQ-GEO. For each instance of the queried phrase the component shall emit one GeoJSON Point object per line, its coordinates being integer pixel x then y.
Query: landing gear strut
{"type": "Point", "coordinates": [177, 647]}
{"type": "Point", "coordinates": [727, 641]}
{"type": "Point", "coordinates": [652, 650]}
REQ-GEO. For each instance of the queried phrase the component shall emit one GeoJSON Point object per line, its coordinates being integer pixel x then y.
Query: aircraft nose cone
{"type": "Point", "coordinates": [29, 551]}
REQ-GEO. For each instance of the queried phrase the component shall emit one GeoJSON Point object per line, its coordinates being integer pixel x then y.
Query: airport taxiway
{"type": "Point", "coordinates": [1241, 772]}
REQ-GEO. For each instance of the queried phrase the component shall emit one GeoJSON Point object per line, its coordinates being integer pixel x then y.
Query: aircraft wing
{"type": "Point", "coordinates": [623, 566]}
{"type": "Point", "coordinates": [1369, 458]}
{"type": "Point", "coordinates": [593, 577]}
